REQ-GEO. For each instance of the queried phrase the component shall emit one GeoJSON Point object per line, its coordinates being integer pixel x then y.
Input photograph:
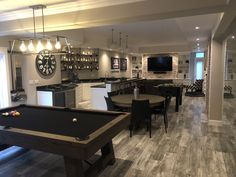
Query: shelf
{"type": "Point", "coordinates": [80, 59]}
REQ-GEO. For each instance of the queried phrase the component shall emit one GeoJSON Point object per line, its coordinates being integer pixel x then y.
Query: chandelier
{"type": "Point", "coordinates": [41, 41]}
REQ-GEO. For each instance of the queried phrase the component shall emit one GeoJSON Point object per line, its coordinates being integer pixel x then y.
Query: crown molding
{"type": "Point", "coordinates": [62, 8]}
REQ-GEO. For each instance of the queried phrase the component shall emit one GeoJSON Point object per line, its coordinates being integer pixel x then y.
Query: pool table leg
{"type": "Point", "coordinates": [177, 103]}
{"type": "Point", "coordinates": [73, 167]}
{"type": "Point", "coordinates": [108, 150]}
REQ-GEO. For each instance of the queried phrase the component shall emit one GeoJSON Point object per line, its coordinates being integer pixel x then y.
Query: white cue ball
{"type": "Point", "coordinates": [74, 120]}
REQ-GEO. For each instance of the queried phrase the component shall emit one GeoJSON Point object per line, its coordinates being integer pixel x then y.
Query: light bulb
{"type": "Point", "coordinates": [31, 46]}
{"type": "Point", "coordinates": [22, 46]}
{"type": "Point", "coordinates": [49, 45]}
{"type": "Point", "coordinates": [39, 46]}
{"type": "Point", "coordinates": [58, 44]}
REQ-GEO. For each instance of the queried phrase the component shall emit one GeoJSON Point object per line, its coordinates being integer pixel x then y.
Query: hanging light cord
{"type": "Point", "coordinates": [112, 32]}
{"type": "Point", "coordinates": [120, 39]}
{"type": "Point", "coordinates": [34, 23]}
{"type": "Point", "coordinates": [43, 21]}
{"type": "Point", "coordinates": [126, 41]}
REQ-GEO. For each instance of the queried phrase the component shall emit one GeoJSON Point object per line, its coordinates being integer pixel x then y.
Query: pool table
{"type": "Point", "coordinates": [75, 134]}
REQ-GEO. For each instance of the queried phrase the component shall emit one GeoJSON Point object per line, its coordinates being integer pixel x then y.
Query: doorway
{"type": "Point", "coordinates": [199, 66]}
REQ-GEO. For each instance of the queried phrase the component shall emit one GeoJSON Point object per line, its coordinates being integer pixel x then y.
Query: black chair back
{"type": "Point", "coordinates": [162, 109]}
{"type": "Point", "coordinates": [140, 113]}
{"type": "Point", "coordinates": [112, 93]}
{"type": "Point", "coordinates": [110, 105]}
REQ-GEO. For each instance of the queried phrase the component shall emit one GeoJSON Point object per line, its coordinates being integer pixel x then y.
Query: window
{"type": "Point", "coordinates": [4, 79]}
{"type": "Point", "coordinates": [200, 55]}
{"type": "Point", "coordinates": [199, 68]}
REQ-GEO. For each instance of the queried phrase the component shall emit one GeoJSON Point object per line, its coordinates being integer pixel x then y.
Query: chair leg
{"type": "Point", "coordinates": [130, 131]}
{"type": "Point", "coordinates": [165, 122]}
{"type": "Point", "coordinates": [150, 128]}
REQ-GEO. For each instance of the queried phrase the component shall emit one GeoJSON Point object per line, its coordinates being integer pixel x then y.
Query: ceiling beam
{"type": "Point", "coordinates": [227, 24]}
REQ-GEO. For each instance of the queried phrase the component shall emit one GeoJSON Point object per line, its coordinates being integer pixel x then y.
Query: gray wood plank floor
{"type": "Point", "coordinates": [193, 147]}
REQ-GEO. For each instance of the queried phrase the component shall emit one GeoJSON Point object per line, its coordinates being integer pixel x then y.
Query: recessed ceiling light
{"type": "Point", "coordinates": [197, 39]}
{"type": "Point", "coordinates": [233, 37]}
{"type": "Point", "coordinates": [198, 44]}
{"type": "Point", "coordinates": [197, 27]}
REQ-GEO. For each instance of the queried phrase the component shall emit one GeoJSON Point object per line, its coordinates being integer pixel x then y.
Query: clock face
{"type": "Point", "coordinates": [46, 63]}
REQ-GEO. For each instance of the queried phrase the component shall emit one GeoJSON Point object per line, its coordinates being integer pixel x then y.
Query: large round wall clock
{"type": "Point", "coordinates": [46, 63]}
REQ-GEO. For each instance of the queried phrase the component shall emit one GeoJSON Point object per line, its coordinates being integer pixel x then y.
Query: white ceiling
{"type": "Point", "coordinates": [169, 32]}
{"type": "Point", "coordinates": [151, 25]}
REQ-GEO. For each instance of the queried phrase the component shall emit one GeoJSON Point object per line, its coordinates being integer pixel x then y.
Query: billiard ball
{"type": "Point", "coordinates": [16, 114]}
{"type": "Point", "coordinates": [74, 120]}
{"type": "Point", "coordinates": [12, 112]}
{"type": "Point", "coordinates": [5, 114]}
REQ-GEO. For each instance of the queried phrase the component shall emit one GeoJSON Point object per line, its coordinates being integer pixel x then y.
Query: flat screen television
{"type": "Point", "coordinates": [160, 63]}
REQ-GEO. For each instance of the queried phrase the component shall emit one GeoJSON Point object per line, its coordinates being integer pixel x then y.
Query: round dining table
{"type": "Point", "coordinates": [125, 100]}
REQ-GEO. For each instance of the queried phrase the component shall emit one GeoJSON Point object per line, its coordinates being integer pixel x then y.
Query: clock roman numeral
{"type": "Point", "coordinates": [40, 62]}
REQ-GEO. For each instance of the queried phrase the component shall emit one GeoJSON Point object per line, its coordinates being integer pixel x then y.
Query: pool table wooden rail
{"type": "Point", "coordinates": [65, 145]}
{"type": "Point", "coordinates": [73, 151]}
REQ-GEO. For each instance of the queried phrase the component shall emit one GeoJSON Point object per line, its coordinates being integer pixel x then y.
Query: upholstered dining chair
{"type": "Point", "coordinates": [112, 93]}
{"type": "Point", "coordinates": [162, 109]}
{"type": "Point", "coordinates": [140, 114]}
{"type": "Point", "coordinates": [110, 105]}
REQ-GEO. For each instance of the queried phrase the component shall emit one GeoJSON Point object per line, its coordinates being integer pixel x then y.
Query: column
{"type": "Point", "coordinates": [216, 80]}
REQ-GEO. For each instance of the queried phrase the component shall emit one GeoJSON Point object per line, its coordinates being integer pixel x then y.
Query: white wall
{"type": "Point", "coordinates": [105, 64]}
{"type": "Point", "coordinates": [31, 78]}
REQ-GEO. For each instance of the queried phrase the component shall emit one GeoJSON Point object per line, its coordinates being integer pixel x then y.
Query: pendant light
{"type": "Point", "coordinates": [31, 46]}
{"type": "Point", "coordinates": [126, 46]}
{"type": "Point", "coordinates": [49, 45]}
{"type": "Point", "coordinates": [113, 43]}
{"type": "Point", "coordinates": [39, 46]}
{"type": "Point", "coordinates": [36, 44]}
{"type": "Point", "coordinates": [22, 46]}
{"type": "Point", "coordinates": [58, 44]}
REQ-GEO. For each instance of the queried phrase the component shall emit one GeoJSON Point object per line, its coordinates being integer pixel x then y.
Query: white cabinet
{"type": "Point", "coordinates": [86, 91]}
{"type": "Point", "coordinates": [45, 98]}
{"type": "Point", "coordinates": [83, 92]}
{"type": "Point", "coordinates": [97, 98]}
{"type": "Point", "coordinates": [78, 94]}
